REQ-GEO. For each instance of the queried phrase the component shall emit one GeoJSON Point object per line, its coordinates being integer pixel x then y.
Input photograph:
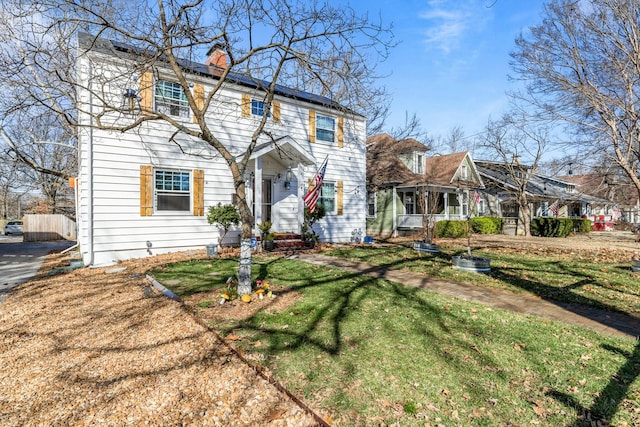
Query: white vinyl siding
{"type": "Point", "coordinates": [119, 231]}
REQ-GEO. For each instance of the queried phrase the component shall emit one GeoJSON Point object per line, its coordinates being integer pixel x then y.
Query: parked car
{"type": "Point", "coordinates": [13, 227]}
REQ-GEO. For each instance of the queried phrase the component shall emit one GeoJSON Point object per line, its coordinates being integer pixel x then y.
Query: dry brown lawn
{"type": "Point", "coordinates": [89, 347]}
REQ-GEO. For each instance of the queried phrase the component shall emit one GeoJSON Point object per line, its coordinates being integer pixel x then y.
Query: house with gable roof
{"type": "Point", "coordinates": [404, 185]}
{"type": "Point", "coordinates": [547, 196]}
{"type": "Point", "coordinates": [147, 190]}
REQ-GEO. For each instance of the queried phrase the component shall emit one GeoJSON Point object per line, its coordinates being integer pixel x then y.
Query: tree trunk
{"type": "Point", "coordinates": [244, 273]}
{"type": "Point", "coordinates": [523, 204]}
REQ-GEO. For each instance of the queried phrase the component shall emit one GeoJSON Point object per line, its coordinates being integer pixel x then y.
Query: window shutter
{"type": "Point", "coordinates": [246, 105]}
{"type": "Point", "coordinates": [198, 192]}
{"type": "Point", "coordinates": [146, 190]}
{"type": "Point", "coordinates": [339, 197]}
{"type": "Point", "coordinates": [198, 95]}
{"type": "Point", "coordinates": [340, 131]}
{"type": "Point", "coordinates": [146, 92]}
{"type": "Point", "coordinates": [276, 112]}
{"type": "Point", "coordinates": [312, 126]}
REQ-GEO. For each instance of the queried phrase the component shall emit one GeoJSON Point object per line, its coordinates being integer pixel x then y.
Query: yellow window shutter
{"type": "Point", "coordinates": [276, 112]}
{"type": "Point", "coordinates": [198, 96]}
{"type": "Point", "coordinates": [146, 92]}
{"type": "Point", "coordinates": [146, 190]}
{"type": "Point", "coordinates": [340, 131]}
{"type": "Point", "coordinates": [339, 196]}
{"type": "Point", "coordinates": [312, 126]}
{"type": "Point", "coordinates": [246, 105]}
{"type": "Point", "coordinates": [198, 192]}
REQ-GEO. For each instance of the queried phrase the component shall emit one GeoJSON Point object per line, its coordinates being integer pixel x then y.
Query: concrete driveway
{"type": "Point", "coordinates": [20, 261]}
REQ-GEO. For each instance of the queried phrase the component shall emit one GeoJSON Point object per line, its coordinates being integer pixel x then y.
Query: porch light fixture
{"type": "Point", "coordinates": [130, 98]}
{"type": "Point", "coordinates": [288, 177]}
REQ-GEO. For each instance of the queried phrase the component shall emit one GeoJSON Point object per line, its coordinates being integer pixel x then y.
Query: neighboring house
{"type": "Point", "coordinates": [544, 195]}
{"type": "Point", "coordinates": [618, 199]}
{"type": "Point", "coordinates": [147, 190]}
{"type": "Point", "coordinates": [404, 187]}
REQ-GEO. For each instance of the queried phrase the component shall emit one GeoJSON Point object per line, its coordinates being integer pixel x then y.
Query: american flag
{"type": "Point", "coordinates": [476, 197]}
{"type": "Point", "coordinates": [616, 213]}
{"type": "Point", "coordinates": [555, 208]}
{"type": "Point", "coordinates": [311, 198]}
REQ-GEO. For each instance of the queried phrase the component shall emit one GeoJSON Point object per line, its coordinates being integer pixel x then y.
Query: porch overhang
{"type": "Point", "coordinates": [287, 150]}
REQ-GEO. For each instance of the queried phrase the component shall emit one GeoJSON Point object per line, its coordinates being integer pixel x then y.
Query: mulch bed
{"type": "Point", "coordinates": [92, 347]}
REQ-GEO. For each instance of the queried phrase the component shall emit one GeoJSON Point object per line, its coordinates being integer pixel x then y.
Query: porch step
{"type": "Point", "coordinates": [289, 244]}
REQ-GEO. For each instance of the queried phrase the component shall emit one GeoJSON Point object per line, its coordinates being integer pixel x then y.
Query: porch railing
{"type": "Point", "coordinates": [415, 221]}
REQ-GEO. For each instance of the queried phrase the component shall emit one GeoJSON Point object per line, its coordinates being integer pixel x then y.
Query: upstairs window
{"type": "Point", "coordinates": [170, 99]}
{"type": "Point", "coordinates": [172, 190]}
{"type": "Point", "coordinates": [419, 167]}
{"type": "Point", "coordinates": [325, 128]}
{"type": "Point", "coordinates": [463, 172]}
{"type": "Point", "coordinates": [258, 107]}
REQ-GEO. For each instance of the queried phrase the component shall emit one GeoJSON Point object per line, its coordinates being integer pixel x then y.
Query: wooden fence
{"type": "Point", "coordinates": [42, 228]}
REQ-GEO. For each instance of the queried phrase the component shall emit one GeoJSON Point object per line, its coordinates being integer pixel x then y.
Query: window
{"type": "Point", "coordinates": [481, 207]}
{"type": "Point", "coordinates": [463, 172]}
{"type": "Point", "coordinates": [328, 197]}
{"type": "Point", "coordinates": [419, 163]}
{"type": "Point", "coordinates": [170, 99]}
{"type": "Point", "coordinates": [257, 108]}
{"type": "Point", "coordinates": [408, 201]}
{"type": "Point", "coordinates": [172, 190]}
{"type": "Point", "coordinates": [325, 128]}
{"type": "Point", "coordinates": [371, 204]}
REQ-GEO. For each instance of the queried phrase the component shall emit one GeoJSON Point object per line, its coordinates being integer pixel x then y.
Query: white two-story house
{"type": "Point", "coordinates": [147, 190]}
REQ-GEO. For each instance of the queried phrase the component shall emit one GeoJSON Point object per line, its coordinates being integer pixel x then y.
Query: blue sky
{"type": "Point", "coordinates": [452, 62]}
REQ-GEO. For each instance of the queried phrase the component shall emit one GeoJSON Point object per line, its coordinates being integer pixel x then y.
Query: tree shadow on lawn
{"type": "Point", "coordinates": [564, 297]}
{"type": "Point", "coordinates": [448, 336]}
{"type": "Point", "coordinates": [609, 399]}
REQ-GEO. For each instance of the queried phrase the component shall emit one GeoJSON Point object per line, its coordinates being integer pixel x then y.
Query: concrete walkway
{"type": "Point", "coordinates": [588, 317]}
{"type": "Point", "coordinates": [20, 261]}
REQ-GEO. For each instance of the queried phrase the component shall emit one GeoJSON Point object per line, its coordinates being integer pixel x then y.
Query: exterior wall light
{"type": "Point", "coordinates": [288, 177]}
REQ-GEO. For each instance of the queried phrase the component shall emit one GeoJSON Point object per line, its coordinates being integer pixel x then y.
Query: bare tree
{"type": "Point", "coordinates": [312, 46]}
{"type": "Point", "coordinates": [582, 68]}
{"type": "Point", "coordinates": [518, 144]}
{"type": "Point", "coordinates": [49, 155]}
{"type": "Point", "coordinates": [13, 182]}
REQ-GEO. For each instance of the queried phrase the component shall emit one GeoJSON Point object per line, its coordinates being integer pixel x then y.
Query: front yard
{"type": "Point", "coordinates": [365, 351]}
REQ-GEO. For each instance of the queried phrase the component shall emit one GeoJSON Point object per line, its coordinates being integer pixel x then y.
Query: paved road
{"type": "Point", "coordinates": [20, 261]}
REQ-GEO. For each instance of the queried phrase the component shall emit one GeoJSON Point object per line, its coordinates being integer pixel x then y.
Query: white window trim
{"type": "Point", "coordinates": [335, 198]}
{"type": "Point", "coordinates": [419, 163]}
{"type": "Point", "coordinates": [464, 173]}
{"type": "Point", "coordinates": [156, 211]}
{"type": "Point", "coordinates": [318, 117]}
{"type": "Point", "coordinates": [481, 207]}
{"type": "Point", "coordinates": [256, 100]}
{"type": "Point", "coordinates": [180, 104]}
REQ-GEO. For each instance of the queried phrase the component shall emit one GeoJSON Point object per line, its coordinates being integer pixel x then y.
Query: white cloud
{"type": "Point", "coordinates": [451, 21]}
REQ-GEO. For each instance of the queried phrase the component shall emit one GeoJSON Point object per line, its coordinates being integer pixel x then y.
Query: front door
{"type": "Point", "coordinates": [267, 199]}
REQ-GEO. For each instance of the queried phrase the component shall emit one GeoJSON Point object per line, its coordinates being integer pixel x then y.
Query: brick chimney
{"type": "Point", "coordinates": [216, 56]}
